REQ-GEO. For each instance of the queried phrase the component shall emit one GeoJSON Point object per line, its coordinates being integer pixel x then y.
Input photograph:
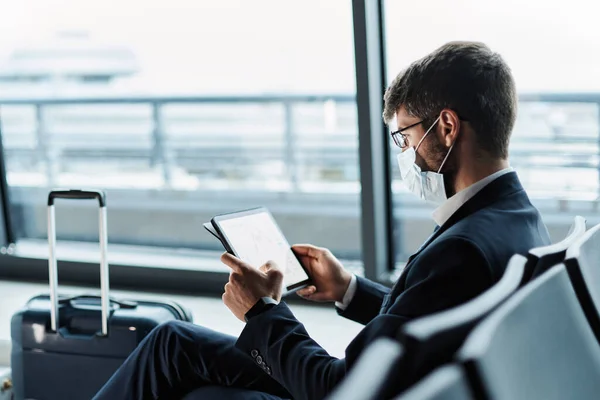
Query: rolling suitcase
{"type": "Point", "coordinates": [66, 348]}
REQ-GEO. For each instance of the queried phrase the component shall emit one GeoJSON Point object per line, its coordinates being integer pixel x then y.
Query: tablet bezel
{"type": "Point", "coordinates": [215, 221]}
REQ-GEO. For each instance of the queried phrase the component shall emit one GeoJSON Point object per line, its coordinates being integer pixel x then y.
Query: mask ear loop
{"type": "Point", "coordinates": [447, 155]}
{"type": "Point", "coordinates": [445, 158]}
{"type": "Point", "coordinates": [426, 133]}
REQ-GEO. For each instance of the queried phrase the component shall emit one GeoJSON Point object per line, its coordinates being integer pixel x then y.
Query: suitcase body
{"type": "Point", "coordinates": [75, 362]}
{"type": "Point", "coordinates": [68, 347]}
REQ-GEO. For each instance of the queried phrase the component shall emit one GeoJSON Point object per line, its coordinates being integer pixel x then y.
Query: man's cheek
{"type": "Point", "coordinates": [421, 163]}
{"type": "Point", "coordinates": [424, 165]}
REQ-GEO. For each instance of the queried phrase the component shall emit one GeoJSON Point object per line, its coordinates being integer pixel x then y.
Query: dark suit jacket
{"type": "Point", "coordinates": [463, 258]}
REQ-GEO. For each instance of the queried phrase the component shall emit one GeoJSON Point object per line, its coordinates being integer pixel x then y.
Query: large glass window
{"type": "Point", "coordinates": [550, 47]}
{"type": "Point", "coordinates": [181, 110]}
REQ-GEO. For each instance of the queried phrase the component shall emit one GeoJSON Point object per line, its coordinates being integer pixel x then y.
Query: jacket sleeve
{"type": "Point", "coordinates": [295, 360]}
{"type": "Point", "coordinates": [448, 274]}
{"type": "Point", "coordinates": [366, 303]}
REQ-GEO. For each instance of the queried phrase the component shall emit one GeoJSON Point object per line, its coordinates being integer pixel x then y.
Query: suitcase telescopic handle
{"type": "Point", "coordinates": [52, 263]}
{"type": "Point", "coordinates": [77, 195]}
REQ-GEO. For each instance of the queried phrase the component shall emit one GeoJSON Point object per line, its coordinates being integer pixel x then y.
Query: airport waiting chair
{"type": "Point", "coordinates": [445, 383]}
{"type": "Point", "coordinates": [583, 265]}
{"type": "Point", "coordinates": [537, 345]}
{"type": "Point", "coordinates": [432, 341]}
{"type": "Point", "coordinates": [372, 369]}
{"type": "Point", "coordinates": [541, 259]}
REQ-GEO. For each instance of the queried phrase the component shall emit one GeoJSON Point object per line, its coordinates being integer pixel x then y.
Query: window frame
{"type": "Point", "coordinates": [376, 193]}
{"type": "Point", "coordinates": [7, 237]}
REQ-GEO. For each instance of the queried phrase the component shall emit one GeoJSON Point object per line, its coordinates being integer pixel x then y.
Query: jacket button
{"type": "Point", "coordinates": [268, 370]}
{"type": "Point", "coordinates": [254, 353]}
{"type": "Point", "coordinates": [259, 360]}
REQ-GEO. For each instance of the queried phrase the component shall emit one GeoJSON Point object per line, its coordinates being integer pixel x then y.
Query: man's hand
{"type": "Point", "coordinates": [330, 279]}
{"type": "Point", "coordinates": [247, 284]}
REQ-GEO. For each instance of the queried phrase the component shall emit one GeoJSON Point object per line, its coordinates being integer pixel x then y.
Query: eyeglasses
{"type": "Point", "coordinates": [400, 138]}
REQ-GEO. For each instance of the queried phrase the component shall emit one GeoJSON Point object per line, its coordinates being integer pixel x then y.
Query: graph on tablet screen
{"type": "Point", "coordinates": [256, 240]}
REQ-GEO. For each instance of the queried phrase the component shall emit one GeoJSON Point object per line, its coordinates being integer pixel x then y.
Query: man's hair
{"type": "Point", "coordinates": [466, 77]}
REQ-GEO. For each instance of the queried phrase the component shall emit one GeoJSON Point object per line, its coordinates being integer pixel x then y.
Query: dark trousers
{"type": "Point", "coordinates": [179, 359]}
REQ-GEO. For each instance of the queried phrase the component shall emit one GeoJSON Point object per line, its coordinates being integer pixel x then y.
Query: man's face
{"type": "Point", "coordinates": [431, 152]}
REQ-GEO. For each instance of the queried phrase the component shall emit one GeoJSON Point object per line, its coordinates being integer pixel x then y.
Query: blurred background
{"type": "Point", "coordinates": [184, 109]}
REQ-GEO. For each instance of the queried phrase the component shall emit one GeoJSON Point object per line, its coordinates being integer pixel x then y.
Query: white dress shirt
{"type": "Point", "coordinates": [440, 215]}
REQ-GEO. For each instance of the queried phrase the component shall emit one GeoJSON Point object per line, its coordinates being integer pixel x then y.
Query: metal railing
{"type": "Point", "coordinates": [165, 148]}
{"type": "Point", "coordinates": [294, 143]}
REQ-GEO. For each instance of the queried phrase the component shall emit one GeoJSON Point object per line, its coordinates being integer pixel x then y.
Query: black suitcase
{"type": "Point", "coordinates": [66, 348]}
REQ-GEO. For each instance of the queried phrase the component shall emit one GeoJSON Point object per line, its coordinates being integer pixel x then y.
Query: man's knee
{"type": "Point", "coordinates": [188, 337]}
{"type": "Point", "coordinates": [170, 331]}
{"type": "Point", "coordinates": [172, 326]}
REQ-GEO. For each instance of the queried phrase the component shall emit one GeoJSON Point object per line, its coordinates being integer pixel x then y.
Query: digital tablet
{"type": "Point", "coordinates": [254, 237]}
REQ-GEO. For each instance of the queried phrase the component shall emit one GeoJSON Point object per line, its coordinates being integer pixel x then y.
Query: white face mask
{"type": "Point", "coordinates": [428, 185]}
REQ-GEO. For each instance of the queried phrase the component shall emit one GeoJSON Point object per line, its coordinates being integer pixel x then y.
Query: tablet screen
{"type": "Point", "coordinates": [256, 239]}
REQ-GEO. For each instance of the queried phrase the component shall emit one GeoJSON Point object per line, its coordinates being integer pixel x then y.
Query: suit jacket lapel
{"type": "Point", "coordinates": [425, 243]}
{"type": "Point", "coordinates": [498, 189]}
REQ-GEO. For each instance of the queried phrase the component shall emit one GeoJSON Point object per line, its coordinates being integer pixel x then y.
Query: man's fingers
{"type": "Point", "coordinates": [306, 250]}
{"type": "Point", "coordinates": [234, 263]}
{"type": "Point", "coordinates": [225, 296]}
{"type": "Point", "coordinates": [306, 261]}
{"type": "Point", "coordinates": [275, 275]}
{"type": "Point", "coordinates": [307, 291]}
{"type": "Point", "coordinates": [234, 277]}
{"type": "Point", "coordinates": [272, 271]}
{"type": "Point", "coordinates": [310, 293]}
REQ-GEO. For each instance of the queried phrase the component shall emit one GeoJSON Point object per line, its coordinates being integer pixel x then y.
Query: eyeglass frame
{"type": "Point", "coordinates": [397, 133]}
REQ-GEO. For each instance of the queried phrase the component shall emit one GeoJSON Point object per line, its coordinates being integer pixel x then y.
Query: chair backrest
{"type": "Point", "coordinates": [537, 345]}
{"type": "Point", "coordinates": [368, 375]}
{"type": "Point", "coordinates": [445, 383]}
{"type": "Point", "coordinates": [433, 340]}
{"type": "Point", "coordinates": [541, 259]}
{"type": "Point", "coordinates": [583, 264]}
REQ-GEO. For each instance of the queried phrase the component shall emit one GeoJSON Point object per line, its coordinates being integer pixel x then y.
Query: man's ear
{"type": "Point", "coordinates": [449, 126]}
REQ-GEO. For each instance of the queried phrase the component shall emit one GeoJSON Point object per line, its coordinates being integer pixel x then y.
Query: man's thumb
{"type": "Point", "coordinates": [273, 271]}
{"type": "Point", "coordinates": [266, 267]}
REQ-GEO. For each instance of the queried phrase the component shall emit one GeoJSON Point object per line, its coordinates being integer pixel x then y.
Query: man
{"type": "Point", "coordinates": [454, 111]}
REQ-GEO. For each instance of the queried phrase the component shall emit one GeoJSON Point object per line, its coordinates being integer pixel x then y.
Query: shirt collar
{"type": "Point", "coordinates": [449, 207]}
